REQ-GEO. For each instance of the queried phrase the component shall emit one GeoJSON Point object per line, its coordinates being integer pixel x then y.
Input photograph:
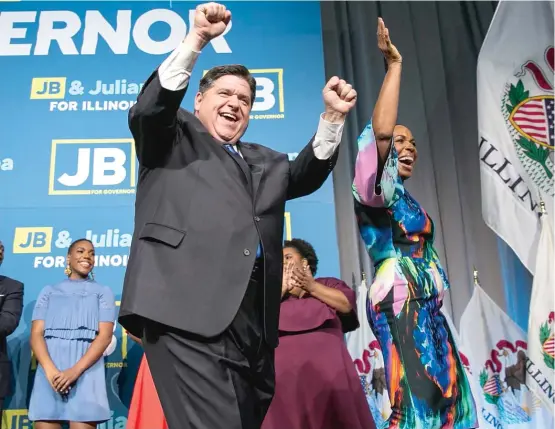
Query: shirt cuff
{"type": "Point", "coordinates": [327, 138]}
{"type": "Point", "coordinates": [175, 71]}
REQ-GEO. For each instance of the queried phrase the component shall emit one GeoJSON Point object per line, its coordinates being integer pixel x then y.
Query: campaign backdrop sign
{"type": "Point", "coordinates": [68, 168]}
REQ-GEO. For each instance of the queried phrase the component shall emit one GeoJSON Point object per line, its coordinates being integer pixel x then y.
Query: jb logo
{"type": "Point", "coordinates": [265, 93]}
{"type": "Point", "coordinates": [32, 240]}
{"type": "Point", "coordinates": [89, 166]}
{"type": "Point", "coordinates": [269, 103]}
{"type": "Point", "coordinates": [48, 88]}
{"type": "Point", "coordinates": [53, 88]}
{"type": "Point", "coordinates": [108, 167]}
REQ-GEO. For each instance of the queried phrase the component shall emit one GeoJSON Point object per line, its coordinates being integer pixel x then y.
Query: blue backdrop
{"type": "Point", "coordinates": [70, 72]}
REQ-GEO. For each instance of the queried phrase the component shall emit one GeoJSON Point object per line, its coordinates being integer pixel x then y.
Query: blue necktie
{"type": "Point", "coordinates": [233, 150]}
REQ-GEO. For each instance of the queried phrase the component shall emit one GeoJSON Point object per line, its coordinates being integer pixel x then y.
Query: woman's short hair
{"type": "Point", "coordinates": [72, 245]}
{"type": "Point", "coordinates": [306, 251]}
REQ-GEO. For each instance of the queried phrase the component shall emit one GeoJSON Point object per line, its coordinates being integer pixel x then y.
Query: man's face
{"type": "Point", "coordinates": [224, 108]}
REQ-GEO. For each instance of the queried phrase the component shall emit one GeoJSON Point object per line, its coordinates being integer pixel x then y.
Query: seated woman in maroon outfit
{"type": "Point", "coordinates": [317, 386]}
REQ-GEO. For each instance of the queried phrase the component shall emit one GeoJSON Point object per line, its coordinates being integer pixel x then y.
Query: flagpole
{"type": "Point", "coordinates": [475, 273]}
{"type": "Point", "coordinates": [543, 211]}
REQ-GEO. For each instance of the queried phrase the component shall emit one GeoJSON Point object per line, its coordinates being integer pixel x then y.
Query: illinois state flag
{"type": "Point", "coordinates": [515, 121]}
{"type": "Point", "coordinates": [368, 359]}
{"type": "Point", "coordinates": [499, 360]}
{"type": "Point", "coordinates": [541, 332]}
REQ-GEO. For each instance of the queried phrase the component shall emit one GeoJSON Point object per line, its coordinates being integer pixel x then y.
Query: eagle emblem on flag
{"type": "Point", "coordinates": [503, 382]}
{"type": "Point", "coordinates": [370, 367]}
{"type": "Point", "coordinates": [529, 118]}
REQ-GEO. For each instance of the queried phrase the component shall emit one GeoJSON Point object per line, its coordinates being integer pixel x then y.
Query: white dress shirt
{"type": "Point", "coordinates": [174, 74]}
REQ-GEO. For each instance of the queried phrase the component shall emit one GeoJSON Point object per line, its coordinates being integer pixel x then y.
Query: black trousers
{"type": "Point", "coordinates": [225, 382]}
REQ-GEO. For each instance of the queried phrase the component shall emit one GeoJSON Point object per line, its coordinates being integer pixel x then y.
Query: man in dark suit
{"type": "Point", "coordinates": [203, 283]}
{"type": "Point", "coordinates": [11, 307]}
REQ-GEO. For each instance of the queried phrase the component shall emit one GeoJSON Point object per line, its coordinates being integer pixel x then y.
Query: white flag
{"type": "Point", "coordinates": [499, 362]}
{"type": "Point", "coordinates": [515, 121]}
{"type": "Point", "coordinates": [368, 359]}
{"type": "Point", "coordinates": [541, 332]}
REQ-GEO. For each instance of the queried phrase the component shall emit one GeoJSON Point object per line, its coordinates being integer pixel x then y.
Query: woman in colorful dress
{"type": "Point", "coordinates": [317, 386]}
{"type": "Point", "coordinates": [145, 411]}
{"type": "Point", "coordinates": [426, 381]}
{"type": "Point", "coordinates": [72, 326]}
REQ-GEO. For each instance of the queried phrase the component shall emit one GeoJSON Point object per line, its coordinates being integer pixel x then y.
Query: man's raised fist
{"type": "Point", "coordinates": [211, 20]}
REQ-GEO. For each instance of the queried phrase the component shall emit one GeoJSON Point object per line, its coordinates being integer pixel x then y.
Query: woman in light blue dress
{"type": "Point", "coordinates": [72, 326]}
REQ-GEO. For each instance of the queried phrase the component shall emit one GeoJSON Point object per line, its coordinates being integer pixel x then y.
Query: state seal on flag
{"type": "Point", "coordinates": [503, 382]}
{"type": "Point", "coordinates": [370, 368]}
{"type": "Point", "coordinates": [547, 340]}
{"type": "Point", "coordinates": [527, 106]}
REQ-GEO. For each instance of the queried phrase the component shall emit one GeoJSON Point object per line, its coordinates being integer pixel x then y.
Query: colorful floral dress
{"type": "Point", "coordinates": [426, 380]}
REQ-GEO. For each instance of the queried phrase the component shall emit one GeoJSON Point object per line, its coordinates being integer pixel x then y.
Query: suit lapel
{"type": "Point", "coordinates": [255, 163]}
{"type": "Point", "coordinates": [201, 129]}
{"type": "Point", "coordinates": [241, 163]}
{"type": "Point", "coordinates": [3, 284]}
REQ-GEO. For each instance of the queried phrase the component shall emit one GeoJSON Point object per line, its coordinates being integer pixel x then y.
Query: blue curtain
{"type": "Point", "coordinates": [517, 285]}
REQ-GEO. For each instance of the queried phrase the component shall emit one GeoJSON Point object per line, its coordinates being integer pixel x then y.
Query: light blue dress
{"type": "Point", "coordinates": [71, 311]}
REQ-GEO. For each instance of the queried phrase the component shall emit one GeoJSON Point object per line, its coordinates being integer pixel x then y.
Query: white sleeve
{"type": "Point", "coordinates": [175, 71]}
{"type": "Point", "coordinates": [327, 138]}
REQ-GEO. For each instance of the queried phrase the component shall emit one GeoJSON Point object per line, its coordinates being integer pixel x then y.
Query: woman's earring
{"type": "Point", "coordinates": [67, 271]}
{"type": "Point", "coordinates": [91, 275]}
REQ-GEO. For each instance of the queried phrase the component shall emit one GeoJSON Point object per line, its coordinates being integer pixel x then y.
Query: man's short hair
{"type": "Point", "coordinates": [217, 72]}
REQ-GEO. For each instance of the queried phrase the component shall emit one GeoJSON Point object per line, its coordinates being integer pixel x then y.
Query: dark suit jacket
{"type": "Point", "coordinates": [11, 306]}
{"type": "Point", "coordinates": [199, 217]}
